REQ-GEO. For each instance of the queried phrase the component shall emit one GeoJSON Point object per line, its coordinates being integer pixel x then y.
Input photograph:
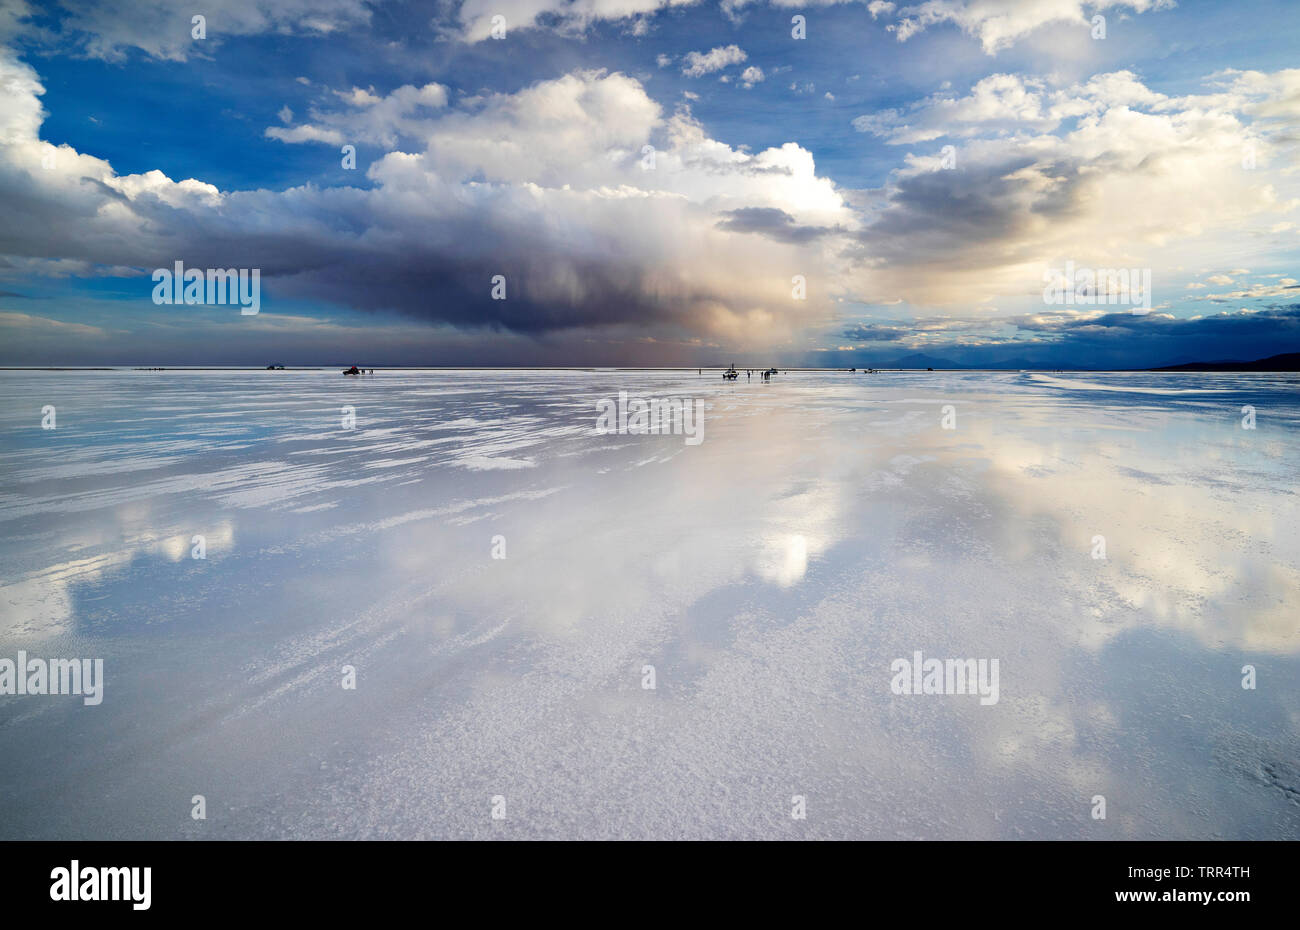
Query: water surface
{"type": "Point", "coordinates": [827, 524]}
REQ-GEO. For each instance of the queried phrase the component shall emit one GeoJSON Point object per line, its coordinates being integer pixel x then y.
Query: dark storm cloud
{"type": "Point", "coordinates": [980, 217]}
{"type": "Point", "coordinates": [539, 197]}
{"type": "Point", "coordinates": [773, 223]}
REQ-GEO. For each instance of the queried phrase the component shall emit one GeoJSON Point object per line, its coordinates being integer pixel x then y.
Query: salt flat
{"type": "Point", "coordinates": [827, 525]}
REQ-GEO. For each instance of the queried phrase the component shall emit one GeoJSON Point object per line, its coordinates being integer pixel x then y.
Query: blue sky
{"type": "Point", "coordinates": [801, 208]}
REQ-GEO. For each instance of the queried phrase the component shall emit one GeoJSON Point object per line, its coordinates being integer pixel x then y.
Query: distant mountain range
{"type": "Point", "coordinates": [1289, 361]}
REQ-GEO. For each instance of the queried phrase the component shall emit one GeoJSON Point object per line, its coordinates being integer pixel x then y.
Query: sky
{"type": "Point", "coordinates": [640, 182]}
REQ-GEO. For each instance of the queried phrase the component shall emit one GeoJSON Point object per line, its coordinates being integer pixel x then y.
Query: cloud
{"type": "Point", "coordinates": [475, 16]}
{"type": "Point", "coordinates": [698, 64]}
{"type": "Point", "coordinates": [406, 113]}
{"type": "Point", "coordinates": [107, 29]}
{"type": "Point", "coordinates": [999, 23]}
{"type": "Point", "coordinates": [39, 326]}
{"type": "Point", "coordinates": [305, 133]}
{"type": "Point", "coordinates": [14, 15]}
{"type": "Point", "coordinates": [1286, 288]}
{"type": "Point", "coordinates": [1105, 173]}
{"type": "Point", "coordinates": [1006, 103]}
{"type": "Point", "coordinates": [771, 222]}
{"type": "Point", "coordinates": [751, 76]}
{"type": "Point", "coordinates": [546, 187]}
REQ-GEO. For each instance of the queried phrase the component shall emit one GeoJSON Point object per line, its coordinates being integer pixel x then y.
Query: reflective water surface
{"type": "Point", "coordinates": [826, 525]}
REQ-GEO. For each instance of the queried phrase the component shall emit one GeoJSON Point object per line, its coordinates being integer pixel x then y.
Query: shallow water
{"type": "Point", "coordinates": [826, 525]}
